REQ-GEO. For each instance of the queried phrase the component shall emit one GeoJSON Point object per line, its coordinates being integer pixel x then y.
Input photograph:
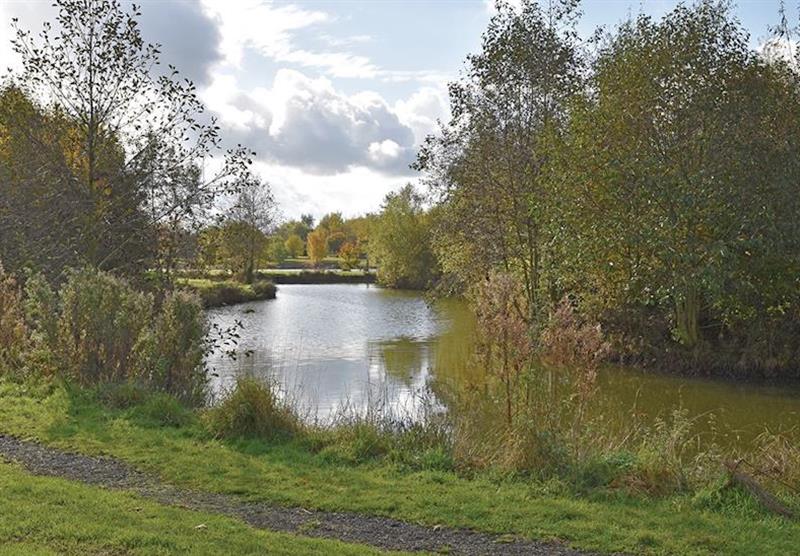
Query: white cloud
{"type": "Point", "coordinates": [384, 150]}
{"type": "Point", "coordinates": [357, 191]}
{"type": "Point", "coordinates": [422, 110]}
{"type": "Point", "coordinates": [346, 41]}
{"type": "Point", "coordinates": [322, 148]}
{"type": "Point", "coordinates": [269, 30]}
{"type": "Point", "coordinates": [223, 97]}
{"type": "Point", "coordinates": [306, 123]}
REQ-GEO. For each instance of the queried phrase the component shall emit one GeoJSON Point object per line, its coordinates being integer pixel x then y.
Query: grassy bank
{"type": "Point", "coordinates": [218, 293]}
{"type": "Point", "coordinates": [342, 473]}
{"type": "Point", "coordinates": [53, 516]}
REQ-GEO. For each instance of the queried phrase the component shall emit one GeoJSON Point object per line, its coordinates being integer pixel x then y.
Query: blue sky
{"type": "Point", "coordinates": [335, 95]}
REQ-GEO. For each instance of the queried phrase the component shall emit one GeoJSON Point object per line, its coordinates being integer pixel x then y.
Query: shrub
{"type": "Point", "coordinates": [504, 335]}
{"type": "Point", "coordinates": [264, 289]}
{"type": "Point", "coordinates": [101, 323]}
{"type": "Point", "coordinates": [13, 330]}
{"type": "Point", "coordinates": [107, 332]}
{"type": "Point", "coordinates": [528, 450]}
{"type": "Point", "coordinates": [252, 409]}
{"type": "Point", "coordinates": [223, 293]}
{"type": "Point", "coordinates": [41, 309]}
{"type": "Point", "coordinates": [777, 457]}
{"type": "Point", "coordinates": [171, 353]}
{"type": "Point", "coordinates": [567, 340]}
{"type": "Point", "coordinates": [664, 462]}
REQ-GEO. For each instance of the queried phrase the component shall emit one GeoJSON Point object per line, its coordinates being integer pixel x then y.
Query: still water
{"type": "Point", "coordinates": [330, 346]}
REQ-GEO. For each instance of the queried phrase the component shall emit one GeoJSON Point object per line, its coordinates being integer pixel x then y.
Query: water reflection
{"type": "Point", "coordinates": [356, 345]}
{"type": "Point", "coordinates": [336, 345]}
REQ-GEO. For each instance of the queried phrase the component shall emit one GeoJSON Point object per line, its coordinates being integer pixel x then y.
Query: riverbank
{"type": "Point", "coordinates": [220, 293]}
{"type": "Point", "coordinates": [309, 277]}
{"type": "Point", "coordinates": [176, 446]}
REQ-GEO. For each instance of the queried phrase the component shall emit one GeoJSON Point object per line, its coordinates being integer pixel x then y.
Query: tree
{"type": "Point", "coordinates": [349, 254]}
{"type": "Point", "coordinates": [317, 246]}
{"type": "Point", "coordinates": [687, 188]}
{"type": "Point", "coordinates": [488, 167]}
{"type": "Point", "coordinates": [335, 230]}
{"type": "Point", "coordinates": [247, 224]}
{"type": "Point", "coordinates": [43, 218]}
{"type": "Point", "coordinates": [295, 245]}
{"type": "Point", "coordinates": [210, 246]}
{"type": "Point", "coordinates": [128, 131]}
{"type": "Point", "coordinates": [277, 251]}
{"type": "Point", "coordinates": [360, 228]}
{"type": "Point", "coordinates": [400, 242]}
{"type": "Point", "coordinates": [307, 220]}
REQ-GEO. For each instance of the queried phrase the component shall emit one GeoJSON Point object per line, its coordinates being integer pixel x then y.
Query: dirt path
{"type": "Point", "coordinates": [380, 532]}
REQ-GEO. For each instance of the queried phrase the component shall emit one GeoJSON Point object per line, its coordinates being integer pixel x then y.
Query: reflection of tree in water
{"type": "Point", "coordinates": [403, 358]}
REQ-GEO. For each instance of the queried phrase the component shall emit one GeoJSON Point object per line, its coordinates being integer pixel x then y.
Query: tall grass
{"type": "Point", "coordinates": [252, 409]}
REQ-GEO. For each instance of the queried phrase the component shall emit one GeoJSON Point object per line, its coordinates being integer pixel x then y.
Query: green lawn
{"type": "Point", "coordinates": [42, 515]}
{"type": "Point", "coordinates": [725, 522]}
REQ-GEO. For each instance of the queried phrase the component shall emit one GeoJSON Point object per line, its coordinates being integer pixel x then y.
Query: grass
{"type": "Point", "coordinates": [43, 515]}
{"type": "Point", "coordinates": [217, 293]}
{"type": "Point", "coordinates": [291, 472]}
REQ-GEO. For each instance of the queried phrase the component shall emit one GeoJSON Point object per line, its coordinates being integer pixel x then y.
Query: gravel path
{"type": "Point", "coordinates": [380, 532]}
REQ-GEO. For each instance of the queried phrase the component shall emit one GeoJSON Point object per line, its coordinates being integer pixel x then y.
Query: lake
{"type": "Point", "coordinates": [354, 346]}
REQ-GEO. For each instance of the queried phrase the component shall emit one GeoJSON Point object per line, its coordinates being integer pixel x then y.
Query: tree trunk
{"type": "Point", "coordinates": [687, 317]}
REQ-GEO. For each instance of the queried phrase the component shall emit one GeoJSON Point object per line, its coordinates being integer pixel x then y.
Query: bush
{"type": "Point", "coordinates": [252, 409]}
{"type": "Point", "coordinates": [223, 293]}
{"type": "Point", "coordinates": [357, 441]}
{"type": "Point", "coordinates": [101, 323]}
{"type": "Point", "coordinates": [41, 309]}
{"type": "Point", "coordinates": [264, 289]}
{"type": "Point", "coordinates": [13, 330]}
{"type": "Point", "coordinates": [220, 293]}
{"type": "Point", "coordinates": [665, 461]}
{"type": "Point", "coordinates": [108, 332]}
{"type": "Point", "coordinates": [171, 353]}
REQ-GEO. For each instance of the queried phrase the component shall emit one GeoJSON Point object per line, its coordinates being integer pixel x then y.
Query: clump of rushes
{"type": "Point", "coordinates": [252, 409]}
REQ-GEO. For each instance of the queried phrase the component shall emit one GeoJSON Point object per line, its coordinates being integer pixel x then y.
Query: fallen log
{"type": "Point", "coordinates": [764, 497]}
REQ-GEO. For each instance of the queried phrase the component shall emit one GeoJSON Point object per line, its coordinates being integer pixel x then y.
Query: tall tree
{"type": "Point", "coordinates": [317, 246]}
{"type": "Point", "coordinates": [248, 222]}
{"type": "Point", "coordinates": [488, 166]}
{"type": "Point", "coordinates": [683, 157]}
{"type": "Point", "coordinates": [131, 128]}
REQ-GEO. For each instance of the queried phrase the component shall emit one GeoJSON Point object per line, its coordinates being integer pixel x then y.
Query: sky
{"type": "Point", "coordinates": [334, 96]}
